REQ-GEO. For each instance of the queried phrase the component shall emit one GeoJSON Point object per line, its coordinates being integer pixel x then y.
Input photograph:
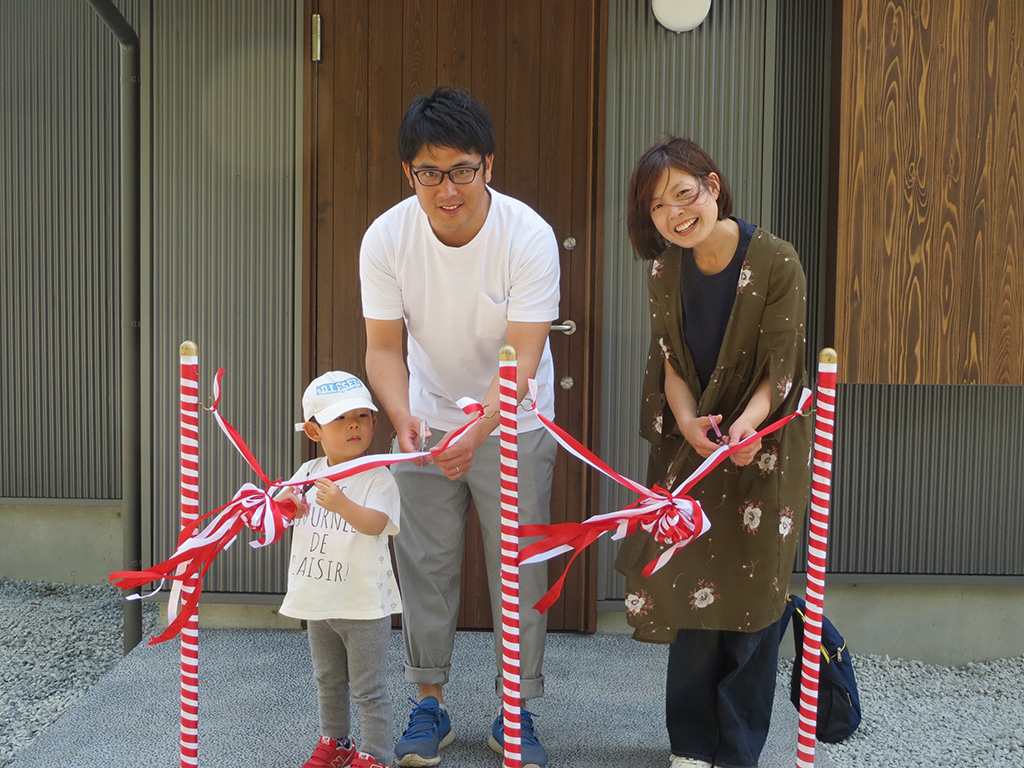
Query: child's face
{"type": "Point", "coordinates": [347, 437]}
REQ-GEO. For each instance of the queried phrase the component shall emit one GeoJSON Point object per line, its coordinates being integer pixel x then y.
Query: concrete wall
{"type": "Point", "coordinates": [71, 542]}
{"type": "Point", "coordinates": [935, 621]}
{"type": "Point", "coordinates": [938, 623]}
{"type": "Point", "coordinates": [947, 624]}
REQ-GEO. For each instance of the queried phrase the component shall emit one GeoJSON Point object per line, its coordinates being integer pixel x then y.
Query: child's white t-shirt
{"type": "Point", "coordinates": [457, 302]}
{"type": "Point", "coordinates": [334, 571]}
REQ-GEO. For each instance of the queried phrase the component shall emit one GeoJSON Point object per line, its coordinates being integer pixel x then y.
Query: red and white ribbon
{"type": "Point", "coordinates": [672, 518]}
{"type": "Point", "coordinates": [510, 656]}
{"type": "Point", "coordinates": [256, 509]}
{"type": "Point", "coordinates": [817, 551]}
{"type": "Point", "coordinates": [250, 508]}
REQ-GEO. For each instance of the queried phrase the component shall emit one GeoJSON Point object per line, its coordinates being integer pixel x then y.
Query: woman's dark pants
{"type": "Point", "coordinates": [719, 694]}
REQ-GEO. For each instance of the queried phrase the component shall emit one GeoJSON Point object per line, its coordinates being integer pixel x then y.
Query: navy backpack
{"type": "Point", "coordinates": [838, 702]}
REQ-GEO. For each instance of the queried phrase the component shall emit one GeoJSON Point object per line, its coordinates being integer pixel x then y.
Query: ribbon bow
{"type": "Point", "coordinates": [253, 508]}
{"type": "Point", "coordinates": [673, 518]}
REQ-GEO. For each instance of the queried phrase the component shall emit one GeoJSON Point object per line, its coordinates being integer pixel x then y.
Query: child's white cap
{"type": "Point", "coordinates": [335, 393]}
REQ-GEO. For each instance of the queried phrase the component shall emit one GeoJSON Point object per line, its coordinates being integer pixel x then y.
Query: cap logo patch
{"type": "Point", "coordinates": [338, 387]}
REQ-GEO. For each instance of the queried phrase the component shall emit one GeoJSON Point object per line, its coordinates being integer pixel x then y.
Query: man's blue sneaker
{"type": "Point", "coordinates": [533, 754]}
{"type": "Point", "coordinates": [429, 730]}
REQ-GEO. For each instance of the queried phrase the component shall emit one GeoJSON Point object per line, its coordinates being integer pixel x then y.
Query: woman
{"type": "Point", "coordinates": [728, 307]}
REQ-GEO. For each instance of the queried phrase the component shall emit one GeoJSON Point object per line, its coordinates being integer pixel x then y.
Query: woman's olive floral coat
{"type": "Point", "coordinates": [736, 576]}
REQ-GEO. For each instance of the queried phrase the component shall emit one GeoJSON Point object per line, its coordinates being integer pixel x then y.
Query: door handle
{"type": "Point", "coordinates": [568, 327]}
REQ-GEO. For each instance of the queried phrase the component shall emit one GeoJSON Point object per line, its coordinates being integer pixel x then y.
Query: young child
{"type": "Point", "coordinates": [340, 578]}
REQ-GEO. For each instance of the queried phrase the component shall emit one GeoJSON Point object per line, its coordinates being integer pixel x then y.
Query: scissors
{"type": "Point", "coordinates": [718, 432]}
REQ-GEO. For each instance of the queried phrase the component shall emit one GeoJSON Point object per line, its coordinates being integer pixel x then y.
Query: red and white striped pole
{"type": "Point", "coordinates": [510, 669]}
{"type": "Point", "coordinates": [189, 513]}
{"type": "Point", "coordinates": [817, 551]}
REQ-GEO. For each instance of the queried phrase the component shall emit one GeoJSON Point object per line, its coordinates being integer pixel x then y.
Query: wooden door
{"type": "Point", "coordinates": [536, 66]}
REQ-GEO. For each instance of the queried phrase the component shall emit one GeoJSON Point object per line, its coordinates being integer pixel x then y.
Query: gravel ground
{"type": "Point", "coordinates": [924, 715]}
{"type": "Point", "coordinates": [57, 640]}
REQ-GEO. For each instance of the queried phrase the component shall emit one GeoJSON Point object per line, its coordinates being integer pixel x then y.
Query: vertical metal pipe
{"type": "Point", "coordinates": [131, 364]}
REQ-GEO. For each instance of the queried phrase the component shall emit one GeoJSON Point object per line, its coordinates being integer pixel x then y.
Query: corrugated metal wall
{"type": "Point", "coordinates": [706, 84]}
{"type": "Point", "coordinates": [800, 141]}
{"type": "Point", "coordinates": [928, 480]}
{"type": "Point", "coordinates": [60, 252]}
{"type": "Point", "coordinates": [221, 88]}
{"type": "Point", "coordinates": [759, 110]}
{"type": "Point", "coordinates": [800, 181]}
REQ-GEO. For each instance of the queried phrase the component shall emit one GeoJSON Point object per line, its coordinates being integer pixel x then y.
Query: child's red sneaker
{"type": "Point", "coordinates": [363, 760]}
{"type": "Point", "coordinates": [331, 754]}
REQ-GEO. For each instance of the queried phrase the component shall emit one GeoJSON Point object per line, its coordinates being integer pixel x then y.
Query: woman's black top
{"type": "Point", "coordinates": [707, 304]}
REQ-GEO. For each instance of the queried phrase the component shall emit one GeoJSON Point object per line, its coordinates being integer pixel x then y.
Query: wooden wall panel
{"type": "Point", "coordinates": [521, 150]}
{"type": "Point", "coordinates": [928, 261]}
{"type": "Point", "coordinates": [535, 67]}
{"type": "Point", "coordinates": [342, 105]}
{"type": "Point", "coordinates": [487, 84]}
{"type": "Point", "coordinates": [386, 180]}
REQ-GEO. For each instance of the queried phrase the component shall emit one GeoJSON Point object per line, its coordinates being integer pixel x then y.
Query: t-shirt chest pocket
{"type": "Point", "coordinates": [491, 317]}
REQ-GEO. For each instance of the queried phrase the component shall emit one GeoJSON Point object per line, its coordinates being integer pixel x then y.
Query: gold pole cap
{"type": "Point", "coordinates": [507, 354]}
{"type": "Point", "coordinates": [188, 349]}
{"type": "Point", "coordinates": [828, 355]}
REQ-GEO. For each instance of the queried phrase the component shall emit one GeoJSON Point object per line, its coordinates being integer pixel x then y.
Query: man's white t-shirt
{"type": "Point", "coordinates": [336, 572]}
{"type": "Point", "coordinates": [457, 302]}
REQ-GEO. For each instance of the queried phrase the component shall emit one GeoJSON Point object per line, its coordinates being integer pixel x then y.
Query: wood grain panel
{"type": "Point", "coordinates": [419, 48]}
{"type": "Point", "coordinates": [454, 43]}
{"type": "Point", "coordinates": [1006, 63]}
{"type": "Point", "coordinates": [488, 76]}
{"type": "Point", "coordinates": [535, 66]}
{"type": "Point", "coordinates": [386, 181]}
{"type": "Point", "coordinates": [521, 149]}
{"type": "Point", "coordinates": [342, 177]}
{"type": "Point", "coordinates": [928, 263]}
{"type": "Point", "coordinates": [558, 196]}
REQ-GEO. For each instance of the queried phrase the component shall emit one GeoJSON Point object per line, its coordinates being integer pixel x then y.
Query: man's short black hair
{"type": "Point", "coordinates": [447, 117]}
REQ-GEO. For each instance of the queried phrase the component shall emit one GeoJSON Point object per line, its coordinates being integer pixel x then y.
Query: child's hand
{"type": "Point", "coordinates": [329, 495]}
{"type": "Point", "coordinates": [289, 495]}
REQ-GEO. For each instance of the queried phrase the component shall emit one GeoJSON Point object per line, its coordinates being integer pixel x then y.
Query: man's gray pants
{"type": "Point", "coordinates": [429, 552]}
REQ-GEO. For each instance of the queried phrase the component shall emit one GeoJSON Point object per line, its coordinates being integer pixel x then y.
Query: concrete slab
{"type": "Point", "coordinates": [603, 706]}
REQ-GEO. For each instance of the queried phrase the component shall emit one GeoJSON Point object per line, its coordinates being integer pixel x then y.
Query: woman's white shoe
{"type": "Point", "coordinates": [687, 762]}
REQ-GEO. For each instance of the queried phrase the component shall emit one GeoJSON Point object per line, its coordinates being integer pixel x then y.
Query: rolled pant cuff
{"type": "Point", "coordinates": [532, 688]}
{"type": "Point", "coordinates": [426, 675]}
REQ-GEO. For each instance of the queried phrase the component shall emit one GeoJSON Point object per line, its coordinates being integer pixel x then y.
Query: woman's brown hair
{"type": "Point", "coordinates": [671, 152]}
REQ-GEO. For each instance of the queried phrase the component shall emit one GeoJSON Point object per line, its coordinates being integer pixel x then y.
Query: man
{"type": "Point", "coordinates": [465, 269]}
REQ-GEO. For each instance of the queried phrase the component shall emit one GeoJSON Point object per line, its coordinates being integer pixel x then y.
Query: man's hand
{"type": "Point", "coordinates": [457, 459]}
{"type": "Point", "coordinates": [412, 433]}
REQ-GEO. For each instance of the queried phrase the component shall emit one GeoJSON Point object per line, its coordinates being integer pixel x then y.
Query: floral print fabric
{"type": "Point", "coordinates": [736, 576]}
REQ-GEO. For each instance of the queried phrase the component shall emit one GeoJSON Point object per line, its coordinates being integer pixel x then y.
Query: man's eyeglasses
{"type": "Point", "coordinates": [431, 177]}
